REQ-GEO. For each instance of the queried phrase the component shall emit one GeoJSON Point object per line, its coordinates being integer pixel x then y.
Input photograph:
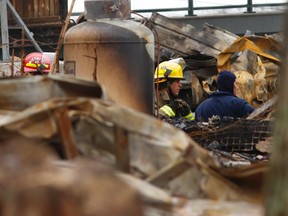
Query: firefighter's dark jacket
{"type": "Point", "coordinates": [172, 107]}
{"type": "Point", "coordinates": [222, 103]}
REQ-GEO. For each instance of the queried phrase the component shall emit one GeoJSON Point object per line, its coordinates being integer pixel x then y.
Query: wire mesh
{"type": "Point", "coordinates": [240, 135]}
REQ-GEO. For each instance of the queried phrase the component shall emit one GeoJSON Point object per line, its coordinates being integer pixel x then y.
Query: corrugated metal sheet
{"type": "Point", "coordinates": [43, 17]}
{"type": "Point", "coordinates": [34, 9]}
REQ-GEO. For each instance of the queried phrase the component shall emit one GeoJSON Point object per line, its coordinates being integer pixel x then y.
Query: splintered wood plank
{"type": "Point", "coordinates": [169, 172]}
{"type": "Point", "coordinates": [264, 108]}
{"type": "Point", "coordinates": [185, 38]}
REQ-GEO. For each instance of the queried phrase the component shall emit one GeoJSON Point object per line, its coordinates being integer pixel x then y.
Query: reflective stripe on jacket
{"type": "Point", "coordinates": [168, 111]}
{"type": "Point", "coordinates": [190, 116]}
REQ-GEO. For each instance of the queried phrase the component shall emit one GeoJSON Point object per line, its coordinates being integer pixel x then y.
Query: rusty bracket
{"type": "Point", "coordinates": [122, 149]}
{"type": "Point", "coordinates": [66, 133]}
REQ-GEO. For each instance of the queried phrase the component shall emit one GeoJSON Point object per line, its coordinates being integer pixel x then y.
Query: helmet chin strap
{"type": "Point", "coordinates": [168, 85]}
{"type": "Point", "coordinates": [169, 90]}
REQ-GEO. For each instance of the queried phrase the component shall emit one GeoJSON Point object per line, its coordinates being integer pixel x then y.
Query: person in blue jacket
{"type": "Point", "coordinates": [223, 102]}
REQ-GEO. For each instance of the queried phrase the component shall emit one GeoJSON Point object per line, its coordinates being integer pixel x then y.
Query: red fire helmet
{"type": "Point", "coordinates": [37, 62]}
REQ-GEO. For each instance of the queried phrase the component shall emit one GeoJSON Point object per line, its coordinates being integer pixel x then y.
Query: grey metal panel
{"type": "Point", "coordinates": [4, 31]}
{"type": "Point", "coordinates": [259, 23]}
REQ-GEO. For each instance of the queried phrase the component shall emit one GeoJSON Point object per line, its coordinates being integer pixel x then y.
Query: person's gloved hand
{"type": "Point", "coordinates": [181, 108]}
{"type": "Point", "coordinates": [173, 104]}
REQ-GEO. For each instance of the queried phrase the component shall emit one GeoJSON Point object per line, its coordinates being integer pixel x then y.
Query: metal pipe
{"type": "Point", "coordinates": [190, 8]}
{"type": "Point", "coordinates": [250, 6]}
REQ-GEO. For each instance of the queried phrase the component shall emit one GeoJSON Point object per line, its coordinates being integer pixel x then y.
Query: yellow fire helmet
{"type": "Point", "coordinates": [168, 69]}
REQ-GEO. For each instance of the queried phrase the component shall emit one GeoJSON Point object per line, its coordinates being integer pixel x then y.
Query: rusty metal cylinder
{"type": "Point", "coordinates": [116, 52]}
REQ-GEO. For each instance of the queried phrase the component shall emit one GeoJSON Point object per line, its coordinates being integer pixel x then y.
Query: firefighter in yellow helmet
{"type": "Point", "coordinates": [167, 78]}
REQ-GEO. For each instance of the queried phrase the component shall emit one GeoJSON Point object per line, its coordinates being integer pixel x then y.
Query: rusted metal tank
{"type": "Point", "coordinates": [116, 52]}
